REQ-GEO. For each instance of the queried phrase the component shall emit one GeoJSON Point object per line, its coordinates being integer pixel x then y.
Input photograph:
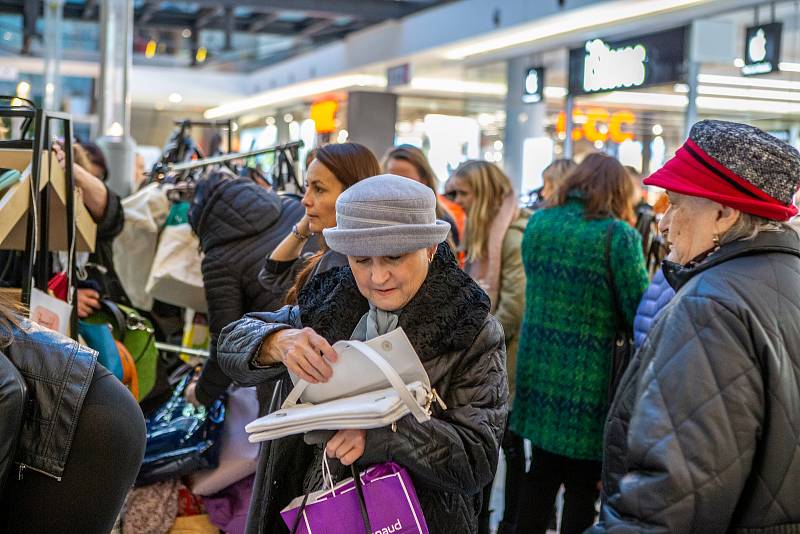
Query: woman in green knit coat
{"type": "Point", "coordinates": [567, 336]}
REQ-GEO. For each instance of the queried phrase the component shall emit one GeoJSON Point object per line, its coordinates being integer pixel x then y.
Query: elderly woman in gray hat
{"type": "Point", "coordinates": [400, 274]}
{"type": "Point", "coordinates": [704, 433]}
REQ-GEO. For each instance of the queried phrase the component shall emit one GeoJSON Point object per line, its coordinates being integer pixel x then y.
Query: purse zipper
{"type": "Point", "coordinates": [23, 467]}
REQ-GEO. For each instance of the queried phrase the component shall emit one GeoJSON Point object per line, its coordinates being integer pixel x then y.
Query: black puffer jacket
{"type": "Point", "coordinates": [452, 457]}
{"type": "Point", "coordinates": [239, 224]}
{"type": "Point", "coordinates": [704, 434]}
{"type": "Point", "coordinates": [57, 372]}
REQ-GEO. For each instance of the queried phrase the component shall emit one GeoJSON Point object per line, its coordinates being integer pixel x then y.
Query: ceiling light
{"type": "Point", "coordinates": [23, 89]}
{"type": "Point", "coordinates": [175, 98]}
{"type": "Point", "coordinates": [555, 92]}
{"type": "Point", "coordinates": [294, 92]}
{"type": "Point", "coordinates": [571, 21]}
{"type": "Point", "coordinates": [445, 85]}
{"type": "Point", "coordinates": [115, 130]}
{"type": "Point", "coordinates": [150, 49]}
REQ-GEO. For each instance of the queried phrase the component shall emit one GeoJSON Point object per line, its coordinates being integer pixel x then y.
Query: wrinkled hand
{"type": "Point", "coordinates": [304, 352]}
{"type": "Point", "coordinates": [61, 156]}
{"type": "Point", "coordinates": [347, 445]}
{"type": "Point", "coordinates": [88, 302]}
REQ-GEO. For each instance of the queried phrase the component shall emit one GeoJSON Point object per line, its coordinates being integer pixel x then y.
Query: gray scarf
{"type": "Point", "coordinates": [374, 323]}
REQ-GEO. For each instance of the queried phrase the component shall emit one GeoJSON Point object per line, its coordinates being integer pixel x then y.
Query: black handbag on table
{"type": "Point", "coordinates": [623, 333]}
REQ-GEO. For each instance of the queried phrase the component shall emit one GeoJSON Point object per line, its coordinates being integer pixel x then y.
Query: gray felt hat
{"type": "Point", "coordinates": [385, 215]}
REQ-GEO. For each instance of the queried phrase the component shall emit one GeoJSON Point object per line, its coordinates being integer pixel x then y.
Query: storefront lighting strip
{"type": "Point", "coordinates": [717, 79]}
{"type": "Point", "coordinates": [294, 92]}
{"type": "Point", "coordinates": [592, 17]}
{"type": "Point", "coordinates": [739, 92]}
{"type": "Point", "coordinates": [661, 101]}
{"type": "Point", "coordinates": [789, 67]}
{"type": "Point", "coordinates": [747, 106]}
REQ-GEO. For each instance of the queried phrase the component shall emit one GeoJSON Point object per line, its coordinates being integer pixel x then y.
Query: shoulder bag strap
{"type": "Point", "coordinates": [362, 503]}
{"type": "Point", "coordinates": [387, 370]}
{"type": "Point", "coordinates": [619, 322]}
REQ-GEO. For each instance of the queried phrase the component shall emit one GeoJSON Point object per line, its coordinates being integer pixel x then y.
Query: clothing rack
{"type": "Point", "coordinates": [287, 156]}
{"type": "Point", "coordinates": [167, 347]}
{"type": "Point", "coordinates": [37, 266]}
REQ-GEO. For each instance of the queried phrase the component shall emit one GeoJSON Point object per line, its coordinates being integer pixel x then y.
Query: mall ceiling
{"type": "Point", "coordinates": [307, 23]}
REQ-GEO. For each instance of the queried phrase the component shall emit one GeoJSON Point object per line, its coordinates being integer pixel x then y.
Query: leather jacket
{"type": "Point", "coordinates": [57, 373]}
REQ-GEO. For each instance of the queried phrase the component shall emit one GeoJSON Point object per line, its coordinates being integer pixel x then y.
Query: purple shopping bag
{"type": "Point", "coordinates": [389, 500]}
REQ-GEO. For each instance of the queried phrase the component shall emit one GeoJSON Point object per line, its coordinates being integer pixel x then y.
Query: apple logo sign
{"type": "Point", "coordinates": [757, 47]}
{"type": "Point", "coordinates": [532, 83]}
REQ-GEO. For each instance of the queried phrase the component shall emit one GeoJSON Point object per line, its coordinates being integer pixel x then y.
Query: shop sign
{"type": "Point", "coordinates": [762, 49]}
{"type": "Point", "coordinates": [601, 65]}
{"type": "Point", "coordinates": [323, 113]}
{"type": "Point", "coordinates": [399, 75]}
{"type": "Point", "coordinates": [597, 124]}
{"type": "Point", "coordinates": [533, 85]}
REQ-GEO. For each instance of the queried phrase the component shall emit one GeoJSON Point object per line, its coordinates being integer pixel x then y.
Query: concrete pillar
{"type": "Point", "coordinates": [523, 121]}
{"type": "Point", "coordinates": [371, 119]}
{"type": "Point", "coordinates": [53, 35]}
{"type": "Point", "coordinates": [116, 35]}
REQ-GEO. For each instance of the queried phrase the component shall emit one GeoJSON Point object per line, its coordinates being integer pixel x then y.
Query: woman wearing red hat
{"type": "Point", "coordinates": [704, 433]}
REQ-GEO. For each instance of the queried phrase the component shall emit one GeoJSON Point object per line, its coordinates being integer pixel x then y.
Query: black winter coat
{"type": "Point", "coordinates": [452, 457]}
{"type": "Point", "coordinates": [239, 224]}
{"type": "Point", "coordinates": [57, 372]}
{"type": "Point", "coordinates": [704, 433]}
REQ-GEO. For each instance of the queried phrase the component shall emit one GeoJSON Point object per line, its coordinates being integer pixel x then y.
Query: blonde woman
{"type": "Point", "coordinates": [410, 162]}
{"type": "Point", "coordinates": [492, 241]}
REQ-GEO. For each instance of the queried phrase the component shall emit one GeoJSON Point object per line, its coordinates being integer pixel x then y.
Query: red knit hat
{"type": "Point", "coordinates": [694, 172]}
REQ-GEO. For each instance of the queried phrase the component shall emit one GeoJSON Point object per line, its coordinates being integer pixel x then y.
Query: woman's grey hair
{"type": "Point", "coordinates": [748, 226]}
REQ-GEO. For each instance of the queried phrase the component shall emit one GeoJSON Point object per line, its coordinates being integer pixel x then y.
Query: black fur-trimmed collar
{"type": "Point", "coordinates": [446, 314]}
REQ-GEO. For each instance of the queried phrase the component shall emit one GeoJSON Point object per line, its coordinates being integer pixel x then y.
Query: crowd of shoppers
{"type": "Point", "coordinates": [519, 316]}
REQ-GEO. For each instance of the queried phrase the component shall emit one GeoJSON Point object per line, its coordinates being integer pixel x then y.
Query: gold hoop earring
{"type": "Point", "coordinates": [716, 242]}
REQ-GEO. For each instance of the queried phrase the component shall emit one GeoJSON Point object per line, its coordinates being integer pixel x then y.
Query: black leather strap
{"type": "Point", "coordinates": [619, 322]}
{"type": "Point", "coordinates": [362, 504]}
{"type": "Point", "coordinates": [299, 514]}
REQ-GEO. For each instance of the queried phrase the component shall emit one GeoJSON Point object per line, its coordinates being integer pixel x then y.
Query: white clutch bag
{"type": "Point", "coordinates": [356, 396]}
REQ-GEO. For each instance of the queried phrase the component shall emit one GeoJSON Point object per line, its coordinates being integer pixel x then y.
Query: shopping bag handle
{"type": "Point", "coordinates": [387, 370]}
{"type": "Point", "coordinates": [362, 504]}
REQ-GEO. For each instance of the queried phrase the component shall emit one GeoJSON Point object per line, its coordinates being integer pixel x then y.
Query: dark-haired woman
{"type": "Point", "coordinates": [68, 464]}
{"type": "Point", "coordinates": [567, 336]}
{"type": "Point", "coordinates": [335, 168]}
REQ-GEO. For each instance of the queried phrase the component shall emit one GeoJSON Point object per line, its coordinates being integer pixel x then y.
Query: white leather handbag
{"type": "Point", "coordinates": [356, 396]}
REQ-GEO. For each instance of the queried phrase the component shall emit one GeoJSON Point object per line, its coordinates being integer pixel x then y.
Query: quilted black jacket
{"type": "Point", "coordinates": [704, 434]}
{"type": "Point", "coordinates": [450, 458]}
{"type": "Point", "coordinates": [239, 224]}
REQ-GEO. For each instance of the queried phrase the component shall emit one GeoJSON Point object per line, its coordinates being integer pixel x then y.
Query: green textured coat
{"type": "Point", "coordinates": [567, 334]}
